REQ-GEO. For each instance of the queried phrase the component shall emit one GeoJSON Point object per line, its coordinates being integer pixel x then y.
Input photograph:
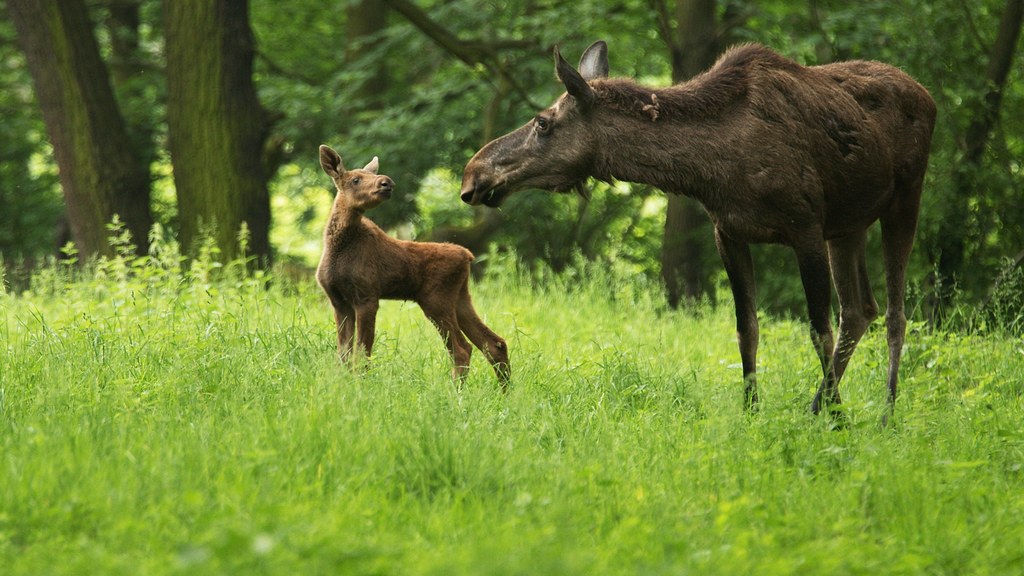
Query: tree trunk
{"type": "Point", "coordinates": [100, 173]}
{"type": "Point", "coordinates": [683, 264]}
{"type": "Point", "coordinates": [694, 48]}
{"type": "Point", "coordinates": [216, 125]}
{"type": "Point", "coordinates": [365, 21]}
{"type": "Point", "coordinates": [951, 241]}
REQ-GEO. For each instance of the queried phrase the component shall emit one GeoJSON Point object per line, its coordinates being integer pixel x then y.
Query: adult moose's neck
{"type": "Point", "coordinates": [677, 139]}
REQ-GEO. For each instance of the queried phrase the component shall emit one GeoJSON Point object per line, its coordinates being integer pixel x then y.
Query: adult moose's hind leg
{"type": "Point", "coordinates": [740, 269]}
{"type": "Point", "coordinates": [899, 224]}
{"type": "Point", "coordinates": [814, 273]}
{"type": "Point", "coordinates": [857, 306]}
{"type": "Point", "coordinates": [492, 345]}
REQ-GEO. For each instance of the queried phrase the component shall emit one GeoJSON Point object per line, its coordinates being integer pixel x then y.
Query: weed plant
{"type": "Point", "coordinates": [163, 419]}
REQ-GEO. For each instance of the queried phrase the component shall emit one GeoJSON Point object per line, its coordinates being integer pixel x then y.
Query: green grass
{"type": "Point", "coordinates": [151, 424]}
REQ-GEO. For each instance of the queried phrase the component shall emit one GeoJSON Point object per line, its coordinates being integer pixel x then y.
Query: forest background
{"type": "Point", "coordinates": [187, 118]}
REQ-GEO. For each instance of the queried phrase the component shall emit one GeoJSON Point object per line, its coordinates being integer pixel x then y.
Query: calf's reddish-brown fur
{"type": "Point", "coordinates": [362, 265]}
{"type": "Point", "coordinates": [809, 157]}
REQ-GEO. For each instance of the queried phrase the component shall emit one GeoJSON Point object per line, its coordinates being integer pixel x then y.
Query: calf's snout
{"type": "Point", "coordinates": [385, 186]}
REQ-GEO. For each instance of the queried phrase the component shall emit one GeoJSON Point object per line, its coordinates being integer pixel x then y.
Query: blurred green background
{"type": "Point", "coordinates": [424, 84]}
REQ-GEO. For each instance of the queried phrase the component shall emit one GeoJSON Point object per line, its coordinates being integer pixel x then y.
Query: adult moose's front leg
{"type": "Point", "coordinates": [740, 269]}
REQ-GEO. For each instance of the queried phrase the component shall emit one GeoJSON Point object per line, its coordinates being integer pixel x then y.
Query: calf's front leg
{"type": "Point", "coordinates": [345, 320]}
{"type": "Point", "coordinates": [366, 325]}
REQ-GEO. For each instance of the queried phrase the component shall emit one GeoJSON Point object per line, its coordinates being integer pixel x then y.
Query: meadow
{"type": "Point", "coordinates": [155, 421]}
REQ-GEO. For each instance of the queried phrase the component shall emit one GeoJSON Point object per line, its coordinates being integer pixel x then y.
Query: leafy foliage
{"type": "Point", "coordinates": [437, 110]}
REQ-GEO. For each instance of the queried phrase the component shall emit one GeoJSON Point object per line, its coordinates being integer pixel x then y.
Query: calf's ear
{"type": "Point", "coordinates": [373, 166]}
{"type": "Point", "coordinates": [575, 85]}
{"type": "Point", "coordinates": [330, 161]}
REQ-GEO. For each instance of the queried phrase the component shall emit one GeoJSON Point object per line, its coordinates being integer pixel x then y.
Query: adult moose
{"type": "Point", "coordinates": [776, 152]}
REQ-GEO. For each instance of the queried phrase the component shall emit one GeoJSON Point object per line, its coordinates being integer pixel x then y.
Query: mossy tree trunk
{"type": "Point", "coordinates": [100, 173]}
{"type": "Point", "coordinates": [216, 125]}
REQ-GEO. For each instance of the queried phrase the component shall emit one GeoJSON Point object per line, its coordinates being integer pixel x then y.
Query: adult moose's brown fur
{"type": "Point", "coordinates": [776, 152]}
{"type": "Point", "coordinates": [361, 265]}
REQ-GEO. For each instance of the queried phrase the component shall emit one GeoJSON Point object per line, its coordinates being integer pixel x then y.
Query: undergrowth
{"type": "Point", "coordinates": [159, 416]}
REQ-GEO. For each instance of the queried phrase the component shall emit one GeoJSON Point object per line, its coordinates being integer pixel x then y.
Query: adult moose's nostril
{"type": "Point", "coordinates": [468, 188]}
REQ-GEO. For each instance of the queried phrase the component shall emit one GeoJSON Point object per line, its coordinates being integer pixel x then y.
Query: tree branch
{"type": "Point", "coordinates": [1000, 60]}
{"type": "Point", "coordinates": [972, 27]}
{"type": "Point", "coordinates": [470, 53]}
{"type": "Point", "coordinates": [282, 71]}
{"type": "Point", "coordinates": [664, 23]}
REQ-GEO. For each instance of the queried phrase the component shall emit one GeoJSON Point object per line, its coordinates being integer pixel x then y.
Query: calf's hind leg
{"type": "Point", "coordinates": [444, 319]}
{"type": "Point", "coordinates": [492, 345]}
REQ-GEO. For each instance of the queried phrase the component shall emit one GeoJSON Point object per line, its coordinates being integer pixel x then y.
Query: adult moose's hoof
{"type": "Point", "coordinates": [887, 417]}
{"type": "Point", "coordinates": [833, 407]}
{"type": "Point", "coordinates": [750, 399]}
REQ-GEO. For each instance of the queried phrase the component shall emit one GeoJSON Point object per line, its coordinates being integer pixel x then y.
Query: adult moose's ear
{"type": "Point", "coordinates": [373, 166]}
{"type": "Point", "coordinates": [575, 85]}
{"type": "Point", "coordinates": [330, 161]}
{"type": "Point", "coordinates": [594, 62]}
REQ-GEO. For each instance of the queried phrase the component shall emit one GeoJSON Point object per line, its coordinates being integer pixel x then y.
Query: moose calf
{"type": "Point", "coordinates": [361, 265]}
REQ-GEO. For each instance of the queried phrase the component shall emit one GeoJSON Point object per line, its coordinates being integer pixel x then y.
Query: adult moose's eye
{"type": "Point", "coordinates": [543, 124]}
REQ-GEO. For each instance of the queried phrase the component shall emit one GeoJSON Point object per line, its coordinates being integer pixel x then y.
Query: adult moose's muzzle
{"type": "Point", "coordinates": [479, 188]}
{"type": "Point", "coordinates": [468, 193]}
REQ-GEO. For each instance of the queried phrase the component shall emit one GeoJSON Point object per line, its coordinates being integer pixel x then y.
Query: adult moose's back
{"type": "Point", "coordinates": [776, 152]}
